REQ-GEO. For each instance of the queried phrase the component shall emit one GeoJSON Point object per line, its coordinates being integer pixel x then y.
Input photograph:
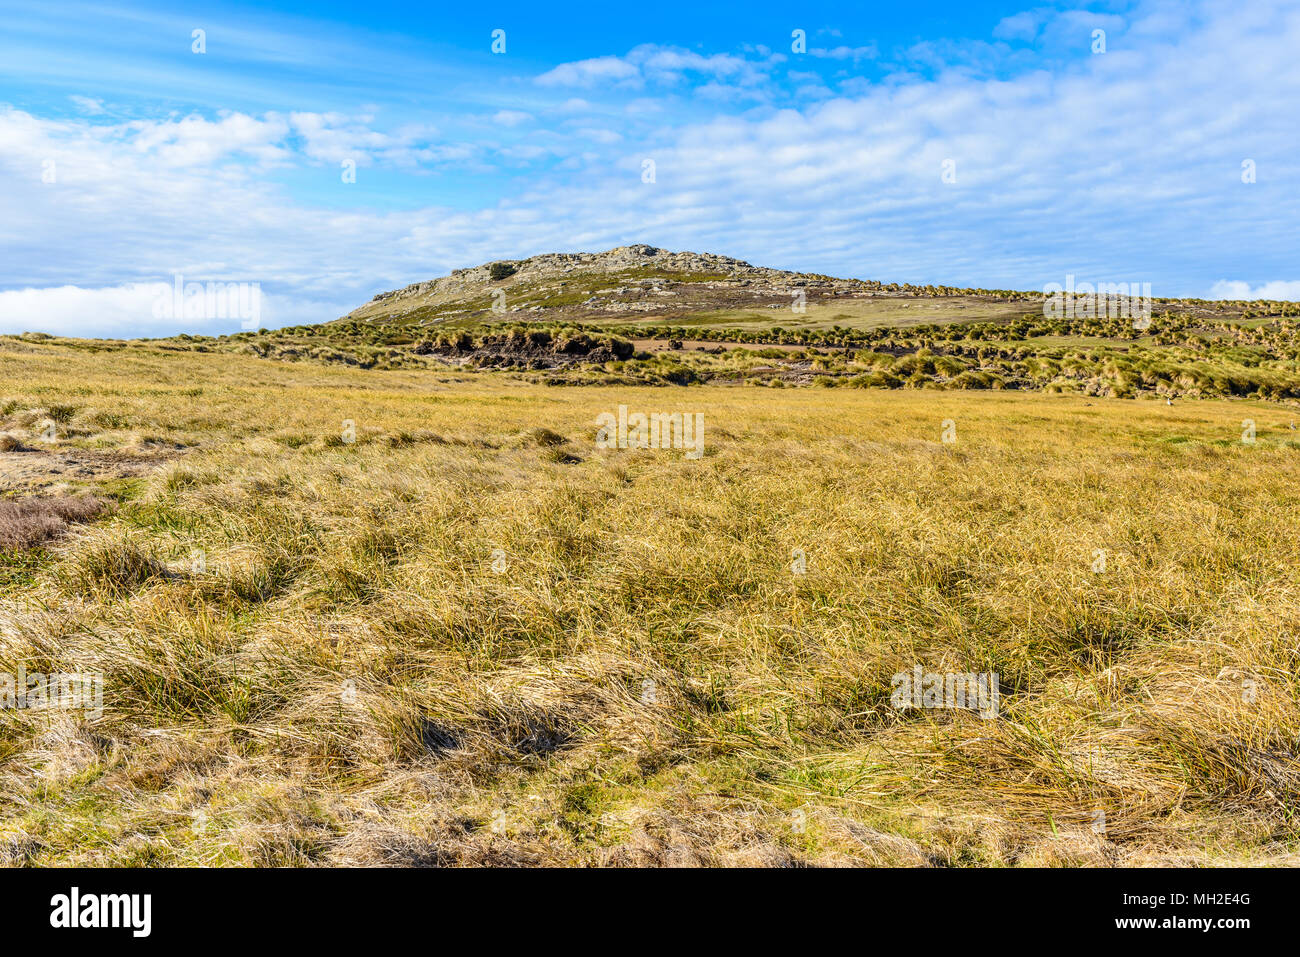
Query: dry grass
{"type": "Point", "coordinates": [468, 636]}
{"type": "Point", "coordinates": [30, 521]}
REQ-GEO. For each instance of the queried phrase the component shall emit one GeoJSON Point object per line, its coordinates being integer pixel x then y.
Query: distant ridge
{"type": "Point", "coordinates": [648, 278]}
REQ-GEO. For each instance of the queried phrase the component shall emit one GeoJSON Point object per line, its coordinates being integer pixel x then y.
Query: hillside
{"type": "Point", "coordinates": [642, 315]}
{"type": "Point", "coordinates": [643, 283]}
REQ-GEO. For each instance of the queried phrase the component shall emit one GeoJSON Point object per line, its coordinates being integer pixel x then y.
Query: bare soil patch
{"type": "Point", "coordinates": [33, 469]}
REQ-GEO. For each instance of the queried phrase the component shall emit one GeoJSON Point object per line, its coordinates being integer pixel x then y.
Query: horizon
{"type": "Point", "coordinates": [234, 297]}
{"type": "Point", "coordinates": [327, 154]}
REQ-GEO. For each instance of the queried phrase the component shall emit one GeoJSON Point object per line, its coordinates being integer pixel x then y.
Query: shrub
{"type": "Point", "coordinates": [543, 437]}
{"type": "Point", "coordinates": [31, 521]}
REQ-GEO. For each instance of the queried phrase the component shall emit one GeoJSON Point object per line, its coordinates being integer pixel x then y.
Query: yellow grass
{"type": "Point", "coordinates": [447, 642]}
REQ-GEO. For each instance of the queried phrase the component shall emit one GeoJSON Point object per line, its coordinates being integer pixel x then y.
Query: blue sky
{"type": "Point", "coordinates": [971, 143]}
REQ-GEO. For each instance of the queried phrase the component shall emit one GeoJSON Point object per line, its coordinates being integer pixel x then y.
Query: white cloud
{"type": "Point", "coordinates": [653, 63]}
{"type": "Point", "coordinates": [72, 310]}
{"type": "Point", "coordinates": [597, 134]}
{"type": "Point", "coordinates": [1020, 26]}
{"type": "Point", "coordinates": [196, 141]}
{"type": "Point", "coordinates": [845, 53]}
{"type": "Point", "coordinates": [587, 73]}
{"type": "Point", "coordinates": [141, 310]}
{"type": "Point", "coordinates": [333, 138]}
{"type": "Point", "coordinates": [511, 117]}
{"type": "Point", "coordinates": [87, 104]}
{"type": "Point", "coordinates": [669, 65]}
{"type": "Point", "coordinates": [1278, 289]}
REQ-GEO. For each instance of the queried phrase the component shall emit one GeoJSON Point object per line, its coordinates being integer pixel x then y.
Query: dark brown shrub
{"type": "Point", "coordinates": [27, 522]}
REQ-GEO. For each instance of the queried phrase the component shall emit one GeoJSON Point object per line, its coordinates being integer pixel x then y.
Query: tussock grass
{"type": "Point", "coordinates": [438, 644]}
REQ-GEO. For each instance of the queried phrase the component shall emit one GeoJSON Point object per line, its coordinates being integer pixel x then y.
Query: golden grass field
{"type": "Point", "coordinates": [454, 641]}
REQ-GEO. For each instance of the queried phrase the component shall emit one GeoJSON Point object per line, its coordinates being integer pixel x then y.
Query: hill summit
{"type": "Point", "coordinates": [639, 278]}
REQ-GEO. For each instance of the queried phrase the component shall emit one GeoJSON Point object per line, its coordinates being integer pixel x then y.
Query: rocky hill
{"type": "Point", "coordinates": [625, 280]}
{"type": "Point", "coordinates": [643, 315]}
